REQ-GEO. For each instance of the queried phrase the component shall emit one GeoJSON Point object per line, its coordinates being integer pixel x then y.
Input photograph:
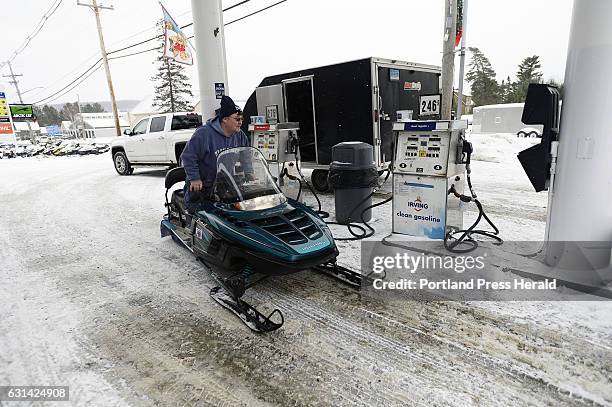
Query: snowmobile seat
{"type": "Point", "coordinates": [174, 176]}
{"type": "Point", "coordinates": [176, 206]}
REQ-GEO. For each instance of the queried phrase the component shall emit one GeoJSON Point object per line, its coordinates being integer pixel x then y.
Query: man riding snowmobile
{"type": "Point", "coordinates": [242, 227]}
{"type": "Point", "coordinates": [199, 157]}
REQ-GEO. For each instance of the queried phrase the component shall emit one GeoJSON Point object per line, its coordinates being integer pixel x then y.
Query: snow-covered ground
{"type": "Point", "coordinates": [92, 298]}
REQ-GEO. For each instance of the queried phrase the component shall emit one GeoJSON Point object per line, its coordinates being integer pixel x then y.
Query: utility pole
{"type": "Point", "coordinates": [448, 57]}
{"type": "Point", "coordinates": [579, 227]}
{"type": "Point", "coordinates": [462, 63]}
{"type": "Point", "coordinates": [14, 82]}
{"type": "Point", "coordinates": [170, 84]}
{"type": "Point", "coordinates": [212, 65]}
{"type": "Point", "coordinates": [94, 6]}
{"type": "Point", "coordinates": [82, 128]}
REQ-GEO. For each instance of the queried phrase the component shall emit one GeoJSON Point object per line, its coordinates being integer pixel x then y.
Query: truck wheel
{"type": "Point", "coordinates": [122, 164]}
{"type": "Point", "coordinates": [319, 180]}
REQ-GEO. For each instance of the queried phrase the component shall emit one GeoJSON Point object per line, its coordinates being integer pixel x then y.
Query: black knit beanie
{"type": "Point", "coordinates": [228, 107]}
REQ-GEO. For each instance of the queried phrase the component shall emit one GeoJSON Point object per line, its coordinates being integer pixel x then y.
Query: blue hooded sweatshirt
{"type": "Point", "coordinates": [200, 154]}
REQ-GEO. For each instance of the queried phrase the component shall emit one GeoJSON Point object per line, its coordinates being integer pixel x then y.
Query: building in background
{"type": "Point", "coordinates": [22, 131]}
{"type": "Point", "coordinates": [94, 125]}
{"type": "Point", "coordinates": [143, 109]}
{"type": "Point", "coordinates": [468, 103]}
{"type": "Point", "coordinates": [102, 125]}
{"type": "Point", "coordinates": [504, 118]}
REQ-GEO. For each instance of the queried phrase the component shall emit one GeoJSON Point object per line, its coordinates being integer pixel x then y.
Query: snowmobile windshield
{"type": "Point", "coordinates": [243, 180]}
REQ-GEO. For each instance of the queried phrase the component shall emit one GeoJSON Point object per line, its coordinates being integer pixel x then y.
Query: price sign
{"type": "Point", "coordinates": [429, 105]}
{"type": "Point", "coordinates": [6, 127]}
{"type": "Point", "coordinates": [272, 114]}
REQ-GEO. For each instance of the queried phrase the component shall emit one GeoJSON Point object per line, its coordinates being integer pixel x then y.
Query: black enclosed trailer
{"type": "Point", "coordinates": [350, 101]}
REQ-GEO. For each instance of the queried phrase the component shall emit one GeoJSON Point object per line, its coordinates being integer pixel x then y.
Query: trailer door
{"type": "Point", "coordinates": [299, 105]}
{"type": "Point", "coordinates": [388, 105]}
{"type": "Point", "coordinates": [399, 90]}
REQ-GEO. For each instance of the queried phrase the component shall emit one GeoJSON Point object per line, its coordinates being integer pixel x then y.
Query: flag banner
{"type": "Point", "coordinates": [459, 32]}
{"type": "Point", "coordinates": [176, 46]}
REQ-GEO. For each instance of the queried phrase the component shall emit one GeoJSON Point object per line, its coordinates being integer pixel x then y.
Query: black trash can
{"type": "Point", "coordinates": [352, 175]}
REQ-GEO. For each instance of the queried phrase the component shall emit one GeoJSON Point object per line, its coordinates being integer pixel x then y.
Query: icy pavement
{"type": "Point", "coordinates": [92, 298]}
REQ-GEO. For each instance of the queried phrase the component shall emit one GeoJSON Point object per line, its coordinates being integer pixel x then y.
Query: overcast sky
{"type": "Point", "coordinates": [294, 35]}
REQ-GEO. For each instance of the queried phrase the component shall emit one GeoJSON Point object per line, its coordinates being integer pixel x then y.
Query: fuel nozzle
{"type": "Point", "coordinates": [292, 142]}
{"type": "Point", "coordinates": [467, 151]}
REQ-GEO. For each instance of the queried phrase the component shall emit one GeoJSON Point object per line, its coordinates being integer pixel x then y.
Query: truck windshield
{"type": "Point", "coordinates": [186, 121]}
{"type": "Point", "coordinates": [243, 179]}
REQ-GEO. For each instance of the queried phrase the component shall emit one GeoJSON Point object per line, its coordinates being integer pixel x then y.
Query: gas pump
{"type": "Point", "coordinates": [428, 174]}
{"type": "Point", "coordinates": [279, 145]}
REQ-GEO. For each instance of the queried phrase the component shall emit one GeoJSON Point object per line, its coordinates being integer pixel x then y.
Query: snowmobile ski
{"type": "Point", "coordinates": [341, 273]}
{"type": "Point", "coordinates": [252, 318]}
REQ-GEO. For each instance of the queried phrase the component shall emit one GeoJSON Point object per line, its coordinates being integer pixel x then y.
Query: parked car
{"type": "Point", "coordinates": [529, 132]}
{"type": "Point", "coordinates": [155, 140]}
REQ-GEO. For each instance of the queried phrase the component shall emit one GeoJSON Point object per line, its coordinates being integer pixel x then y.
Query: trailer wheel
{"type": "Point", "coordinates": [319, 180]}
{"type": "Point", "coordinates": [122, 164]}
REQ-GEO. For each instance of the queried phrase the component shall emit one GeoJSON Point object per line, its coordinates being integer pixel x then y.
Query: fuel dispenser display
{"type": "Point", "coordinates": [428, 163]}
{"type": "Point", "coordinates": [279, 145]}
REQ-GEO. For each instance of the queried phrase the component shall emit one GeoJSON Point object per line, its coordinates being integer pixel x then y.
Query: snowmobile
{"type": "Point", "coordinates": [246, 230]}
{"type": "Point", "coordinates": [101, 148]}
{"type": "Point", "coordinates": [87, 149]}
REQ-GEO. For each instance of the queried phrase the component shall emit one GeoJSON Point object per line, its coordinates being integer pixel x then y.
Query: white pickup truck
{"type": "Point", "coordinates": [155, 140]}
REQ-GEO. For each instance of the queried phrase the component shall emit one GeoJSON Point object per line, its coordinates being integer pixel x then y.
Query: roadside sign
{"type": "Point", "coordinates": [219, 90]}
{"type": "Point", "coordinates": [7, 134]}
{"type": "Point", "coordinates": [22, 113]}
{"type": "Point", "coordinates": [6, 128]}
{"type": "Point", "coordinates": [53, 130]}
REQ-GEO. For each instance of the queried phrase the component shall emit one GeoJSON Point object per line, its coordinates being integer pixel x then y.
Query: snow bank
{"type": "Point", "coordinates": [499, 147]}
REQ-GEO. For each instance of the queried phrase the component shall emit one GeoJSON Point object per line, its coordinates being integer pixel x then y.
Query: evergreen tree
{"type": "Point", "coordinates": [92, 108]}
{"type": "Point", "coordinates": [506, 89]}
{"type": "Point", "coordinates": [46, 115]}
{"type": "Point", "coordinates": [52, 116]}
{"type": "Point", "coordinates": [172, 86]}
{"type": "Point", "coordinates": [528, 72]}
{"type": "Point", "coordinates": [481, 76]}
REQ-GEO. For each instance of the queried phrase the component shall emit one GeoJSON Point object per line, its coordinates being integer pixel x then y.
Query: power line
{"type": "Point", "coordinates": [75, 85]}
{"type": "Point", "coordinates": [183, 27]}
{"type": "Point", "coordinates": [79, 77]}
{"type": "Point", "coordinates": [90, 58]}
{"type": "Point", "coordinates": [37, 29]}
{"type": "Point", "coordinates": [256, 12]}
{"type": "Point", "coordinates": [136, 53]}
{"type": "Point", "coordinates": [135, 45]}
{"type": "Point", "coordinates": [151, 28]}
{"type": "Point", "coordinates": [150, 49]}
{"type": "Point", "coordinates": [68, 74]}
{"type": "Point", "coordinates": [236, 5]}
